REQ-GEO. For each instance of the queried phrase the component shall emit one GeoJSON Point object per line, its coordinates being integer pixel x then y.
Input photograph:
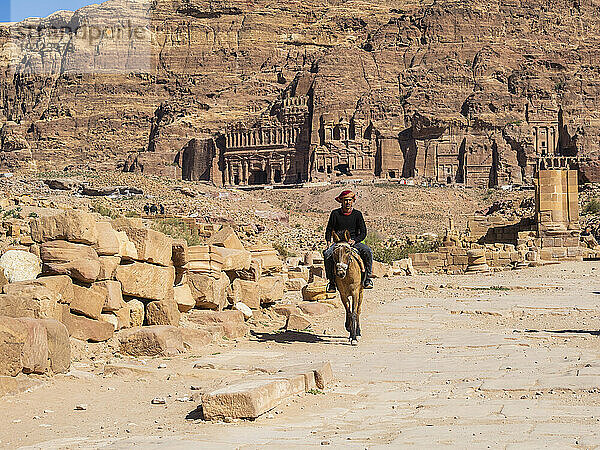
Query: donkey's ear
{"type": "Point", "coordinates": [336, 238]}
{"type": "Point", "coordinates": [347, 236]}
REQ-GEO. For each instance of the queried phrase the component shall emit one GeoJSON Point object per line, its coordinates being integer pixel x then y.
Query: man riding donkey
{"type": "Point", "coordinates": [350, 219]}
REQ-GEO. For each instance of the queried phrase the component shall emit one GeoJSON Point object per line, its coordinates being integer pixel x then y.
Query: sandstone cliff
{"type": "Point", "coordinates": [474, 76]}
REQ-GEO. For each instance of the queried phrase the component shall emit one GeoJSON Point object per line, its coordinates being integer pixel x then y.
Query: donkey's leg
{"type": "Point", "coordinates": [358, 311]}
{"type": "Point", "coordinates": [346, 304]}
{"type": "Point", "coordinates": [354, 321]}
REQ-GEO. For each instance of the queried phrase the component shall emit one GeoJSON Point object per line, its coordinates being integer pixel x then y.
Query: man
{"type": "Point", "coordinates": [347, 218]}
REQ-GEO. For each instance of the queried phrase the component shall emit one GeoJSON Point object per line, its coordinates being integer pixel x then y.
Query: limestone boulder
{"type": "Point", "coordinates": [234, 259]}
{"type": "Point", "coordinates": [268, 256]}
{"type": "Point", "coordinates": [403, 267]}
{"type": "Point", "coordinates": [216, 317]}
{"type": "Point", "coordinates": [244, 309]}
{"type": "Point", "coordinates": [30, 299]}
{"type": "Point", "coordinates": [88, 301]}
{"type": "Point", "coordinates": [69, 225]}
{"type": "Point", "coordinates": [251, 274]}
{"type": "Point", "coordinates": [137, 312]}
{"type": "Point", "coordinates": [226, 238]}
{"type": "Point", "coordinates": [123, 317]}
{"type": "Point", "coordinates": [108, 243]}
{"type": "Point", "coordinates": [78, 261]}
{"type": "Point", "coordinates": [314, 308]}
{"type": "Point", "coordinates": [184, 298]}
{"type": "Point", "coordinates": [151, 246]}
{"type": "Point", "coordinates": [110, 318]}
{"type": "Point", "coordinates": [147, 281]}
{"type": "Point", "coordinates": [295, 284]}
{"type": "Point", "coordinates": [61, 284]}
{"type": "Point", "coordinates": [19, 265]}
{"type": "Point", "coordinates": [247, 292]}
{"type": "Point", "coordinates": [87, 329]}
{"type": "Point", "coordinates": [157, 340]}
{"type": "Point", "coordinates": [208, 292]}
{"type": "Point", "coordinates": [164, 312]}
{"type": "Point", "coordinates": [271, 289]}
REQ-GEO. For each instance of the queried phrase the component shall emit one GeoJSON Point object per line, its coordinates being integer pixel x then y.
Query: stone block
{"type": "Point", "coordinates": [323, 374]}
{"type": "Point", "coordinates": [151, 246]}
{"type": "Point", "coordinates": [216, 317]}
{"type": "Point", "coordinates": [108, 267]}
{"type": "Point", "coordinates": [314, 308]}
{"type": "Point", "coordinates": [11, 349]}
{"type": "Point", "coordinates": [69, 225]}
{"type": "Point", "coordinates": [317, 271]}
{"type": "Point", "coordinates": [271, 289]}
{"type": "Point", "coordinates": [59, 346]}
{"type": "Point", "coordinates": [247, 399]}
{"type": "Point", "coordinates": [123, 317]}
{"type": "Point", "coordinates": [86, 329]}
{"type": "Point", "coordinates": [285, 310]}
{"type": "Point", "coordinates": [179, 252]}
{"type": "Point", "coordinates": [108, 244]}
{"type": "Point", "coordinates": [30, 299]}
{"type": "Point", "coordinates": [19, 265]}
{"type": "Point", "coordinates": [208, 292]}
{"type": "Point", "coordinates": [297, 322]}
{"type": "Point", "coordinates": [226, 238]}
{"type": "Point", "coordinates": [157, 340]}
{"type": "Point", "coordinates": [78, 261]}
{"type": "Point", "coordinates": [299, 272]}
{"type": "Point", "coordinates": [183, 297]}
{"type": "Point", "coordinates": [62, 285]}
{"type": "Point", "coordinates": [163, 312]}
{"type": "Point", "coordinates": [195, 339]}
{"type": "Point", "coordinates": [252, 274]}
{"type": "Point", "coordinates": [381, 270]}
{"type": "Point", "coordinates": [229, 330]}
{"type": "Point", "coordinates": [147, 281]}
{"type": "Point", "coordinates": [32, 336]}
{"type": "Point", "coordinates": [113, 296]}
{"type": "Point", "coordinates": [247, 292]}
{"type": "Point", "coordinates": [137, 312]}
{"type": "Point", "coordinates": [127, 249]}
{"type": "Point", "coordinates": [295, 284]}
{"type": "Point", "coordinates": [87, 301]}
{"type": "Point", "coordinates": [234, 259]}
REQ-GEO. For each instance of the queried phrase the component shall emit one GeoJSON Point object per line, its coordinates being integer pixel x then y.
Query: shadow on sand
{"type": "Point", "coordinates": [288, 337]}
{"type": "Point", "coordinates": [590, 332]}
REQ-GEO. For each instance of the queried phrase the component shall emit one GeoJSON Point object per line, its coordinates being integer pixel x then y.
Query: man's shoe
{"type": "Point", "coordinates": [368, 283]}
{"type": "Point", "coordinates": [331, 287]}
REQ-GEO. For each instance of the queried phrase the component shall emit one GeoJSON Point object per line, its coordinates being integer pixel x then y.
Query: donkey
{"type": "Point", "coordinates": [348, 279]}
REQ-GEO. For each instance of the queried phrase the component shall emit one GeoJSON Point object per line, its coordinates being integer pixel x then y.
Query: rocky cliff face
{"type": "Point", "coordinates": [479, 77]}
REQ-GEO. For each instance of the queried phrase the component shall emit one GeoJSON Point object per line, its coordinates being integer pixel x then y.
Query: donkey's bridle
{"type": "Point", "coordinates": [343, 266]}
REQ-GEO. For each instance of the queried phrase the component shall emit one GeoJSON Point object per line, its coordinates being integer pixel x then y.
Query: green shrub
{"type": "Point", "coordinates": [33, 215]}
{"type": "Point", "coordinates": [386, 253]}
{"type": "Point", "coordinates": [592, 207]}
{"type": "Point", "coordinates": [103, 210]}
{"type": "Point", "coordinates": [283, 250]}
{"type": "Point", "coordinates": [178, 229]}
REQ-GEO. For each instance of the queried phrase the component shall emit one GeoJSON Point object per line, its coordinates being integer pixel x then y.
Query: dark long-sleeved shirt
{"type": "Point", "coordinates": [353, 222]}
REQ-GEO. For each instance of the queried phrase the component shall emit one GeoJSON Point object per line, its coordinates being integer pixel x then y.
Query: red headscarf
{"type": "Point", "coordinates": [345, 194]}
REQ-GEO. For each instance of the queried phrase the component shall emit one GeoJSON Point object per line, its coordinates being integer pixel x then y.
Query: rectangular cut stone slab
{"type": "Point", "coordinates": [61, 284]}
{"type": "Point", "coordinates": [157, 340]}
{"type": "Point", "coordinates": [248, 399]}
{"type": "Point", "coordinates": [76, 260]}
{"type": "Point", "coordinates": [152, 246]}
{"type": "Point", "coordinates": [146, 280]}
{"type": "Point", "coordinates": [73, 226]}
{"type": "Point", "coordinates": [111, 291]}
{"type": "Point", "coordinates": [108, 243]}
{"type": "Point", "coordinates": [33, 335]}
{"type": "Point", "coordinates": [216, 317]}
{"type": "Point", "coordinates": [108, 267]}
{"type": "Point", "coordinates": [88, 301]}
{"type": "Point", "coordinates": [234, 259]}
{"type": "Point", "coordinates": [11, 349]}
{"type": "Point", "coordinates": [183, 297]}
{"type": "Point", "coordinates": [87, 329]}
{"type": "Point", "coordinates": [30, 299]}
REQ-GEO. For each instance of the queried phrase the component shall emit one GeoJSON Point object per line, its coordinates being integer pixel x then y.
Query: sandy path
{"type": "Point", "coordinates": [445, 360]}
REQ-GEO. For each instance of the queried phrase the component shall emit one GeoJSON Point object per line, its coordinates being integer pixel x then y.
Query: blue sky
{"type": "Point", "coordinates": [15, 10]}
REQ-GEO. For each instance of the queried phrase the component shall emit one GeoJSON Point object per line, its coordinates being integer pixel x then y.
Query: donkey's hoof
{"type": "Point", "coordinates": [353, 342]}
{"type": "Point", "coordinates": [358, 337]}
